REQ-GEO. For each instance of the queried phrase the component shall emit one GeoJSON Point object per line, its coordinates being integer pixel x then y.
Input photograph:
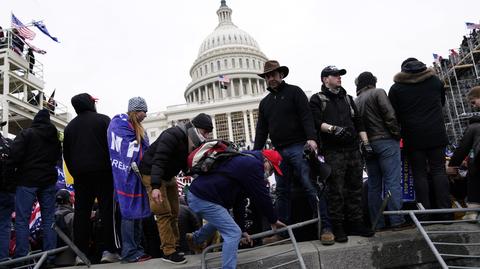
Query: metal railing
{"type": "Point", "coordinates": [291, 238]}
{"type": "Point", "coordinates": [433, 244]}
{"type": "Point", "coordinates": [31, 259]}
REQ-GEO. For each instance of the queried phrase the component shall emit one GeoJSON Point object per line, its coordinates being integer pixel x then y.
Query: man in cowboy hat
{"type": "Point", "coordinates": [284, 115]}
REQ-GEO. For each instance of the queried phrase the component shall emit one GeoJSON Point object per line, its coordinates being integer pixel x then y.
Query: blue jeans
{"type": "Point", "coordinates": [218, 219]}
{"type": "Point", "coordinates": [24, 199]}
{"type": "Point", "coordinates": [292, 164]}
{"type": "Point", "coordinates": [131, 240]}
{"type": "Point", "coordinates": [7, 206]}
{"type": "Point", "coordinates": [385, 169]}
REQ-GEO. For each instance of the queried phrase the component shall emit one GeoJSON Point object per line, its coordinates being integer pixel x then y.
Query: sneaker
{"type": "Point", "coordinates": [109, 257]}
{"type": "Point", "coordinates": [358, 228]}
{"type": "Point", "coordinates": [174, 258]}
{"type": "Point", "coordinates": [327, 238]}
{"type": "Point", "coordinates": [197, 249]}
{"type": "Point", "coordinates": [339, 233]}
{"type": "Point", "coordinates": [79, 261]}
{"type": "Point", "coordinates": [272, 239]}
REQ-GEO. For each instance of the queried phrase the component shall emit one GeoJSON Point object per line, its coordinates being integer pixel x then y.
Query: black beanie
{"type": "Point", "coordinates": [366, 79]}
{"type": "Point", "coordinates": [412, 65]}
{"type": "Point", "coordinates": [203, 121]}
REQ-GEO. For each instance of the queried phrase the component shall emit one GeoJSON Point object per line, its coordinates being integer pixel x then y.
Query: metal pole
{"type": "Point", "coordinates": [36, 255]}
{"type": "Point", "coordinates": [382, 208]}
{"type": "Point", "coordinates": [429, 241]}
{"type": "Point", "coordinates": [70, 244]}
{"type": "Point", "coordinates": [297, 250]}
{"type": "Point", "coordinates": [40, 262]}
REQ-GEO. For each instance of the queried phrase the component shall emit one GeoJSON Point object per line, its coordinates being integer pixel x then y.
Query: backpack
{"type": "Point", "coordinates": [209, 155]}
{"type": "Point", "coordinates": [324, 99]}
{"type": "Point", "coordinates": [60, 223]}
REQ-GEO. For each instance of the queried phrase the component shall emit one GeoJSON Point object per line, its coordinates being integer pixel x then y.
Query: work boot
{"type": "Point", "coordinates": [339, 233]}
{"type": "Point", "coordinates": [326, 237]}
{"type": "Point", "coordinates": [471, 215]}
{"type": "Point", "coordinates": [359, 228]}
{"type": "Point", "coordinates": [272, 239]}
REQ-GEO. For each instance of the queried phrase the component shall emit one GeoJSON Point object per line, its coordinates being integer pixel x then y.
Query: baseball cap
{"type": "Point", "coordinates": [274, 158]}
{"type": "Point", "coordinates": [332, 70]}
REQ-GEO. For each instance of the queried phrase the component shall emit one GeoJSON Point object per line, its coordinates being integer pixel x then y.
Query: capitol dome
{"type": "Point", "coordinates": [227, 64]}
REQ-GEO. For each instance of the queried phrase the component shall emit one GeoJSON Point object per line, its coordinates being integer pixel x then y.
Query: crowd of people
{"type": "Point", "coordinates": [133, 182]}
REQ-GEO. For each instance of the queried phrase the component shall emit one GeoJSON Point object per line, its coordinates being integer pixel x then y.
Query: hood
{"type": "Point", "coordinates": [412, 78]}
{"type": "Point", "coordinates": [42, 123]}
{"type": "Point", "coordinates": [83, 102]}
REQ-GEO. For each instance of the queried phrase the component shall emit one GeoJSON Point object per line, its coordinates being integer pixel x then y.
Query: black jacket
{"type": "Point", "coordinates": [284, 115]}
{"type": "Point", "coordinates": [85, 145]}
{"type": "Point", "coordinates": [337, 112]}
{"type": "Point", "coordinates": [470, 141]}
{"type": "Point", "coordinates": [35, 153]}
{"type": "Point", "coordinates": [418, 99]}
{"type": "Point", "coordinates": [377, 114]}
{"type": "Point", "coordinates": [167, 156]}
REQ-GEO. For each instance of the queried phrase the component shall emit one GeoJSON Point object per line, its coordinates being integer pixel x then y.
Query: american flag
{"type": "Point", "coordinates": [471, 25]}
{"type": "Point", "coordinates": [22, 29]}
{"type": "Point", "coordinates": [35, 221]}
{"type": "Point", "coordinates": [223, 79]}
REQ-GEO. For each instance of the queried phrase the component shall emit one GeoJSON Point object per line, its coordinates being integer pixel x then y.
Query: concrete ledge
{"type": "Point", "coordinates": [403, 249]}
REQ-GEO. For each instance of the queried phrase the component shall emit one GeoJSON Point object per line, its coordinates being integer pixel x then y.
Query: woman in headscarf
{"type": "Point", "coordinates": [128, 142]}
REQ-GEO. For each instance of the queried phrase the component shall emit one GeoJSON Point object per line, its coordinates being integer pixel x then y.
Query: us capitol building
{"type": "Point", "coordinates": [233, 54]}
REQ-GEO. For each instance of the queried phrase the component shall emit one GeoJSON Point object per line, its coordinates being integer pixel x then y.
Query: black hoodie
{"type": "Point", "coordinates": [85, 146]}
{"type": "Point", "coordinates": [35, 152]}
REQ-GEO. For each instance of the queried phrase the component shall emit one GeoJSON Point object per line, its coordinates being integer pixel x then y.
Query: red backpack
{"type": "Point", "coordinates": [209, 154]}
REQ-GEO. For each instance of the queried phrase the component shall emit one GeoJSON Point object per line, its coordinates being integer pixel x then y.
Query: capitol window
{"type": "Point", "coordinates": [248, 63]}
{"type": "Point", "coordinates": [233, 62]}
{"type": "Point", "coordinates": [218, 65]}
{"type": "Point", "coordinates": [206, 69]}
{"type": "Point", "coordinates": [201, 72]}
{"type": "Point", "coordinates": [225, 63]}
{"type": "Point", "coordinates": [211, 67]}
{"type": "Point", "coordinates": [240, 62]}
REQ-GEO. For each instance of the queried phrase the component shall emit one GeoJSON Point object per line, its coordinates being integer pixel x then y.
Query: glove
{"type": "Point", "coordinates": [339, 132]}
{"type": "Point", "coordinates": [367, 151]}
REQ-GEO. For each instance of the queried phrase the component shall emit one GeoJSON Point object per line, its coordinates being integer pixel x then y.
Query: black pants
{"type": "Point", "coordinates": [344, 186]}
{"type": "Point", "coordinates": [430, 161]}
{"type": "Point", "coordinates": [88, 187]}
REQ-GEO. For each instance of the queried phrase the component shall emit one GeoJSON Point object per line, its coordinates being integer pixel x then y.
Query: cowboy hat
{"type": "Point", "coordinates": [271, 66]}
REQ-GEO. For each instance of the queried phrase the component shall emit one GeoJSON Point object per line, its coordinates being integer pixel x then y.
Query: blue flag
{"type": "Point", "coordinates": [124, 150]}
{"type": "Point", "coordinates": [41, 26]}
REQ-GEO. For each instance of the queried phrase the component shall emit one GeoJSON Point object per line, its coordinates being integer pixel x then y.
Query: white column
{"type": "Point", "coordinates": [5, 105]}
{"type": "Point", "coordinates": [264, 85]}
{"type": "Point", "coordinates": [232, 88]}
{"type": "Point", "coordinates": [240, 92]}
{"type": "Point", "coordinates": [250, 88]}
{"type": "Point", "coordinates": [245, 123]}
{"type": "Point", "coordinates": [214, 133]}
{"type": "Point", "coordinates": [215, 90]}
{"type": "Point", "coordinates": [229, 123]}
{"type": "Point", "coordinates": [252, 123]}
{"type": "Point", "coordinates": [258, 86]}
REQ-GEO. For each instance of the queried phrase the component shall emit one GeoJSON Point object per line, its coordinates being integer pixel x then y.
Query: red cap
{"type": "Point", "coordinates": [274, 158]}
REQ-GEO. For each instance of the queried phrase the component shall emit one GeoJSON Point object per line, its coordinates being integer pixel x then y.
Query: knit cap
{"type": "Point", "coordinates": [137, 104]}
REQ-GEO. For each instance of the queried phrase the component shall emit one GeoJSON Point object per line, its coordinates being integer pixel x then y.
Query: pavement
{"type": "Point", "coordinates": [399, 249]}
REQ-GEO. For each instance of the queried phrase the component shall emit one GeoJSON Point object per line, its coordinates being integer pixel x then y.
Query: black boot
{"type": "Point", "coordinates": [339, 232]}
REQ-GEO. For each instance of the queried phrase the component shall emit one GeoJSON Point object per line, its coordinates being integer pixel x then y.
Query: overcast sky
{"type": "Point", "coordinates": [117, 49]}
